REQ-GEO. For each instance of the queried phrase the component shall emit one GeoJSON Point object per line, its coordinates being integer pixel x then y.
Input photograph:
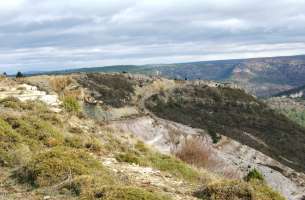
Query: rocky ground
{"type": "Point", "coordinates": [230, 158]}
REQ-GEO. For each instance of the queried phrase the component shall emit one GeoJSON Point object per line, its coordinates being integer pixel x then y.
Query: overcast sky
{"type": "Point", "coordinates": [57, 34]}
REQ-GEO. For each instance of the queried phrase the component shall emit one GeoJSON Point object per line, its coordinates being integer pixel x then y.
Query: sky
{"type": "Point", "coordinates": [39, 35]}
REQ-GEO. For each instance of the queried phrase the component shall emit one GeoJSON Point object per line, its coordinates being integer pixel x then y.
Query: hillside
{"type": "Point", "coordinates": [259, 76]}
{"type": "Point", "coordinates": [63, 138]}
{"type": "Point", "coordinates": [294, 93]}
{"type": "Point", "coordinates": [293, 108]}
{"type": "Point", "coordinates": [290, 103]}
{"type": "Point", "coordinates": [233, 113]}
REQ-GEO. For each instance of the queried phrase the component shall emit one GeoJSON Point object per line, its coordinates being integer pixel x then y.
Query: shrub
{"type": "Point", "coordinates": [93, 144]}
{"type": "Point", "coordinates": [215, 137]}
{"type": "Point", "coordinates": [195, 152]}
{"type": "Point", "coordinates": [232, 190]}
{"type": "Point", "coordinates": [71, 104]}
{"type": "Point", "coordinates": [173, 166]}
{"type": "Point", "coordinates": [74, 141]}
{"type": "Point", "coordinates": [85, 186]}
{"type": "Point", "coordinates": [59, 83]}
{"type": "Point", "coordinates": [126, 193]}
{"type": "Point", "coordinates": [228, 190]}
{"type": "Point", "coordinates": [159, 161]}
{"type": "Point", "coordinates": [254, 175]}
{"type": "Point", "coordinates": [36, 129]}
{"type": "Point", "coordinates": [12, 102]}
{"type": "Point", "coordinates": [129, 157]}
{"type": "Point", "coordinates": [16, 104]}
{"type": "Point", "coordinates": [9, 142]}
{"type": "Point", "coordinates": [59, 164]}
{"type": "Point", "coordinates": [140, 146]}
{"type": "Point", "coordinates": [263, 192]}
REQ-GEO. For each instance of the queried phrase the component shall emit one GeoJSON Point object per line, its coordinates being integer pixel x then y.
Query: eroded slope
{"type": "Point", "coordinates": [233, 113]}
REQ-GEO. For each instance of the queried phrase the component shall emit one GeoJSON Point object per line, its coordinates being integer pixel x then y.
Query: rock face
{"type": "Point", "coordinates": [25, 92]}
{"type": "Point", "coordinates": [166, 137]}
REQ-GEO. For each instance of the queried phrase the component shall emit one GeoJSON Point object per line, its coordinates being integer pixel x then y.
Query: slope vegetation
{"type": "Point", "coordinates": [65, 155]}
{"type": "Point", "coordinates": [233, 113]}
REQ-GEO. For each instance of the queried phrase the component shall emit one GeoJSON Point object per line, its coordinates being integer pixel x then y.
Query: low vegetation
{"type": "Point", "coordinates": [113, 89]}
{"type": "Point", "coordinates": [59, 164]}
{"type": "Point", "coordinates": [59, 83]}
{"type": "Point", "coordinates": [142, 156]}
{"type": "Point", "coordinates": [195, 152]}
{"type": "Point", "coordinates": [42, 154]}
{"type": "Point", "coordinates": [46, 155]}
{"type": "Point", "coordinates": [294, 109]}
{"type": "Point", "coordinates": [126, 193]}
{"type": "Point", "coordinates": [233, 189]}
{"type": "Point", "coordinates": [233, 113]}
{"type": "Point", "coordinates": [254, 175]}
{"type": "Point", "coordinates": [71, 104]}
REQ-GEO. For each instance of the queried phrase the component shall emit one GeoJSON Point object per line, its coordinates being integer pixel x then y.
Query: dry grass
{"type": "Point", "coordinates": [77, 94]}
{"type": "Point", "coordinates": [59, 83]}
{"type": "Point", "coordinates": [196, 151]}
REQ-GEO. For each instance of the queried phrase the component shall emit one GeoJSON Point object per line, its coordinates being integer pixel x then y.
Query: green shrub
{"type": "Point", "coordinates": [173, 166]}
{"type": "Point", "coordinates": [36, 129]}
{"type": "Point", "coordinates": [9, 141]}
{"type": "Point", "coordinates": [71, 104]}
{"type": "Point", "coordinates": [254, 174]}
{"type": "Point", "coordinates": [16, 104]}
{"type": "Point", "coordinates": [263, 192]}
{"type": "Point", "coordinates": [159, 161]}
{"type": "Point", "coordinates": [74, 141]}
{"type": "Point", "coordinates": [215, 137]}
{"type": "Point", "coordinates": [21, 136]}
{"type": "Point", "coordinates": [93, 144]}
{"type": "Point", "coordinates": [226, 190]}
{"type": "Point", "coordinates": [123, 193]}
{"type": "Point", "coordinates": [232, 190]}
{"type": "Point", "coordinates": [140, 146]}
{"type": "Point", "coordinates": [57, 165]}
{"type": "Point", "coordinates": [129, 157]}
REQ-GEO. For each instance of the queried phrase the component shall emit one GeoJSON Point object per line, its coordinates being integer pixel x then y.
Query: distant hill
{"type": "Point", "coordinates": [295, 93]}
{"type": "Point", "coordinates": [259, 76]}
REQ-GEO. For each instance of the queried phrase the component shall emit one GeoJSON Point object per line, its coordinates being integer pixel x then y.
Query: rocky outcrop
{"type": "Point", "coordinates": [166, 136]}
{"type": "Point", "coordinates": [25, 92]}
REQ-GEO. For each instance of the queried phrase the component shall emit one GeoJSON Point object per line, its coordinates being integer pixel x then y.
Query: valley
{"type": "Point", "coordinates": [262, 77]}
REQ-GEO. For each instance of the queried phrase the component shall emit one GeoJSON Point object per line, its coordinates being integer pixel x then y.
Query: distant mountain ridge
{"type": "Point", "coordinates": [259, 76]}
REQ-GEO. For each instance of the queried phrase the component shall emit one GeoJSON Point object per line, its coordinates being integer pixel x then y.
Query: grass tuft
{"type": "Point", "coordinates": [71, 104]}
{"type": "Point", "coordinates": [166, 163]}
{"type": "Point", "coordinates": [59, 164]}
{"type": "Point", "coordinates": [126, 193]}
{"type": "Point", "coordinates": [233, 189]}
{"type": "Point", "coordinates": [254, 175]}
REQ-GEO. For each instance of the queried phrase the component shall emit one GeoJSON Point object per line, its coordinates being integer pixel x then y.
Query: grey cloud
{"type": "Point", "coordinates": [45, 35]}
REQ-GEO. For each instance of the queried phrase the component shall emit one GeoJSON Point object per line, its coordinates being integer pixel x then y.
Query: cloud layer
{"type": "Point", "coordinates": [57, 34]}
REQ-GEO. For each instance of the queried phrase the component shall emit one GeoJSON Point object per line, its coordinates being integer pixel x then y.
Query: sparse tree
{"type": "Point", "coordinates": [19, 75]}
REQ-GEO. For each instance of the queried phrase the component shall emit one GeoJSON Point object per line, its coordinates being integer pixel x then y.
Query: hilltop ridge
{"type": "Point", "coordinates": [103, 142]}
